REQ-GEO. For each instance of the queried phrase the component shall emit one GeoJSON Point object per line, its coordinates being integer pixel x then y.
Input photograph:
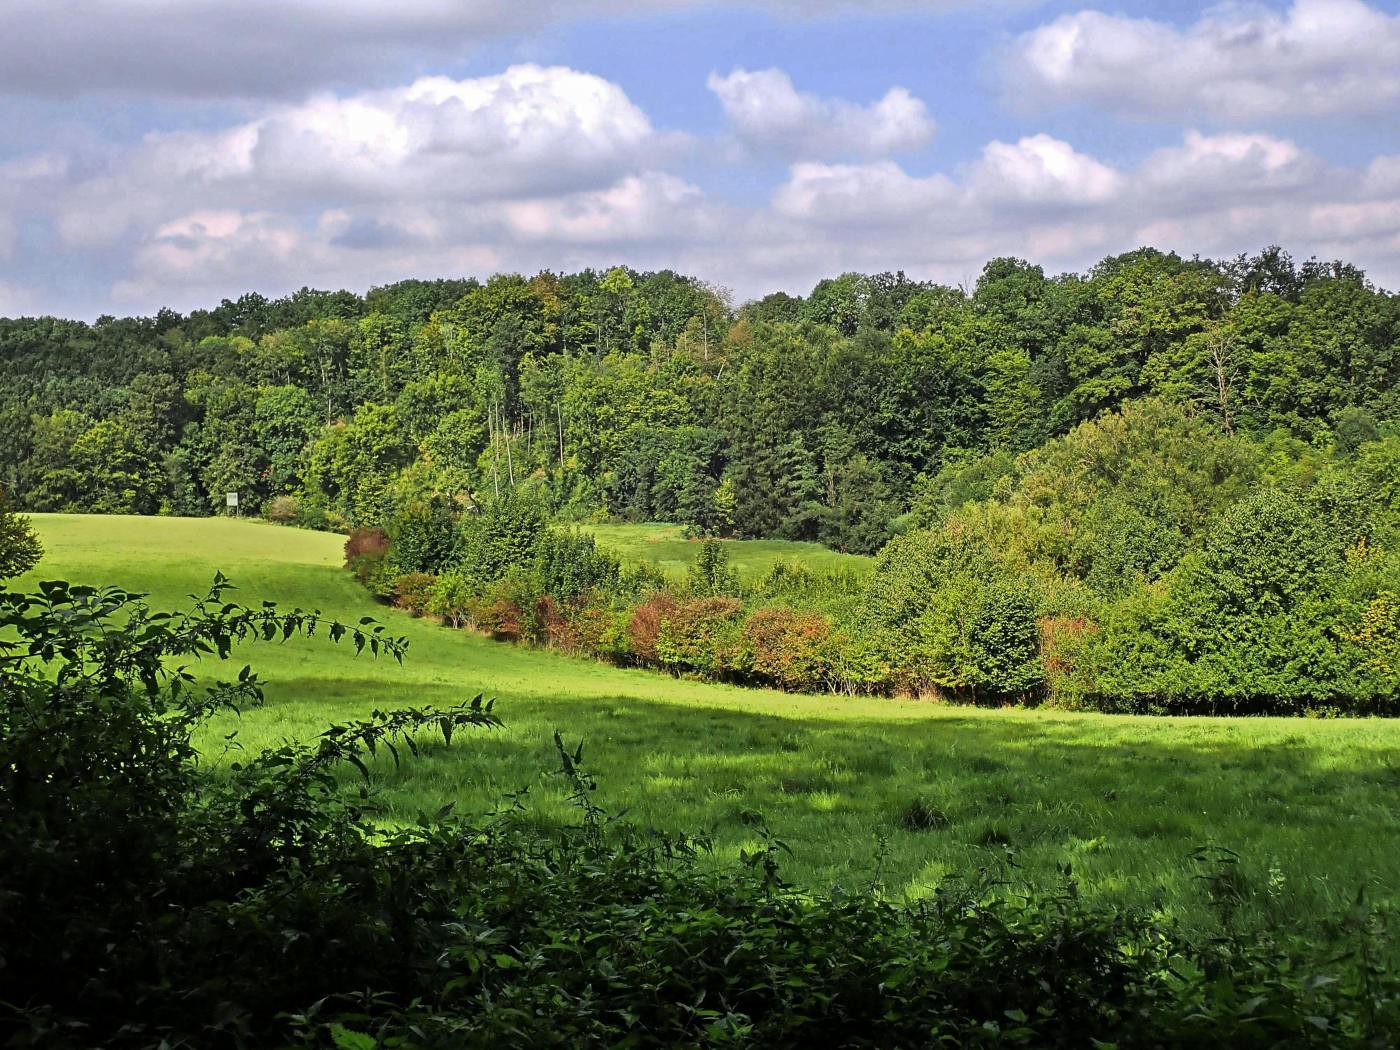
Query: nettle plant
{"type": "Point", "coordinates": [129, 862]}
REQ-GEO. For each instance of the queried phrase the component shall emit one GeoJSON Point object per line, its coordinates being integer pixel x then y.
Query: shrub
{"type": "Point", "coordinates": [425, 537]}
{"type": "Point", "coordinates": [702, 635]}
{"type": "Point", "coordinates": [20, 549]}
{"type": "Point", "coordinates": [645, 623]}
{"type": "Point", "coordinates": [365, 552]}
{"type": "Point", "coordinates": [452, 599]}
{"type": "Point", "coordinates": [501, 537]}
{"type": "Point", "coordinates": [569, 562]}
{"type": "Point", "coordinates": [1062, 644]}
{"type": "Point", "coordinates": [366, 543]}
{"type": "Point", "coordinates": [506, 608]}
{"type": "Point", "coordinates": [599, 628]}
{"type": "Point", "coordinates": [283, 510]}
{"type": "Point", "coordinates": [792, 649]}
{"type": "Point", "coordinates": [414, 591]}
{"type": "Point", "coordinates": [710, 575]}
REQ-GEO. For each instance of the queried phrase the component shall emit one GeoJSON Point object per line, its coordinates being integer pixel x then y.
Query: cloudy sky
{"type": "Point", "coordinates": [174, 152]}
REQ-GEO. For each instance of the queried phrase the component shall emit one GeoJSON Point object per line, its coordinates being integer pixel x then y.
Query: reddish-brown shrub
{"type": "Point", "coordinates": [645, 625]}
{"type": "Point", "coordinates": [366, 543]}
{"type": "Point", "coordinates": [414, 592]}
{"type": "Point", "coordinates": [789, 648]}
{"type": "Point", "coordinates": [552, 623]}
{"type": "Point", "coordinates": [501, 618]}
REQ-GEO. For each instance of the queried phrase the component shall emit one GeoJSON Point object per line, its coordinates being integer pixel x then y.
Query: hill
{"type": "Point", "coordinates": [1310, 805]}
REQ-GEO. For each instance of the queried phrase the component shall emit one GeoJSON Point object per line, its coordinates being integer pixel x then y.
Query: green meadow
{"type": "Point", "coordinates": [665, 547]}
{"type": "Point", "coordinates": [1311, 806]}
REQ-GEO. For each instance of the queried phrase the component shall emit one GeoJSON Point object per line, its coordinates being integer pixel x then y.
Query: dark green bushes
{"type": "Point", "coordinates": [20, 549]}
{"type": "Point", "coordinates": [150, 899]}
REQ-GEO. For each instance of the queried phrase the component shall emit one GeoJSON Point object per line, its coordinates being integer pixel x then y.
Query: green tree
{"type": "Point", "coordinates": [20, 549]}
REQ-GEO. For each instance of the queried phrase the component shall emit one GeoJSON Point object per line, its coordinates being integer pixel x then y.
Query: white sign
{"type": "Point", "coordinates": [231, 499]}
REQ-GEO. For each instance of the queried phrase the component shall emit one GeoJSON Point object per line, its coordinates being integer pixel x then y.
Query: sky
{"type": "Point", "coordinates": [176, 152]}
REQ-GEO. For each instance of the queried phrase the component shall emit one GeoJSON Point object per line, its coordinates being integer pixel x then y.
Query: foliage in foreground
{"type": "Point", "coordinates": [151, 899]}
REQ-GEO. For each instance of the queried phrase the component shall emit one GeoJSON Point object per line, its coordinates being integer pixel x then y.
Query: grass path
{"type": "Point", "coordinates": [1123, 799]}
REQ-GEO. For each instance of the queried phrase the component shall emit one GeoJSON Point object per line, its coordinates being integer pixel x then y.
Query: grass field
{"type": "Point", "coordinates": [666, 548]}
{"type": "Point", "coordinates": [1313, 806]}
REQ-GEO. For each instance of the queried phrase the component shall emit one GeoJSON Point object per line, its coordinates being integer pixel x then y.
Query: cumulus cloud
{"type": "Point", "coordinates": [770, 115]}
{"type": "Point", "coordinates": [533, 166]}
{"type": "Point", "coordinates": [525, 132]}
{"type": "Point", "coordinates": [1040, 198]}
{"type": "Point", "coordinates": [1237, 63]}
{"type": "Point", "coordinates": [1042, 171]}
{"type": "Point", "coordinates": [860, 194]}
{"type": "Point", "coordinates": [550, 167]}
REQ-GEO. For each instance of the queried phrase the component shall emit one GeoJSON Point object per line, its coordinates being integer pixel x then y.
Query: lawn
{"type": "Point", "coordinates": [666, 547]}
{"type": "Point", "coordinates": [1312, 806]}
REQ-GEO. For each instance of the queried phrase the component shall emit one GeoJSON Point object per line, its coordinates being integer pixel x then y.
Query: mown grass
{"type": "Point", "coordinates": [666, 548]}
{"type": "Point", "coordinates": [1312, 806]}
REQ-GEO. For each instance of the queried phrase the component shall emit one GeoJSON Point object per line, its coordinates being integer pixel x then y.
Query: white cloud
{"type": "Point", "coordinates": [638, 208]}
{"type": "Point", "coordinates": [1042, 171]}
{"type": "Point", "coordinates": [537, 168]}
{"type": "Point", "coordinates": [770, 115]}
{"type": "Point", "coordinates": [1041, 199]}
{"type": "Point", "coordinates": [1237, 63]}
{"type": "Point", "coordinates": [527, 131]}
{"type": "Point", "coordinates": [854, 194]}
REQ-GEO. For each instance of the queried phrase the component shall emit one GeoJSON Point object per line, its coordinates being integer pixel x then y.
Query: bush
{"type": "Point", "coordinates": [702, 636]}
{"type": "Point", "coordinates": [20, 549]}
{"type": "Point", "coordinates": [505, 610]}
{"type": "Point", "coordinates": [710, 575]}
{"type": "Point", "coordinates": [425, 537]}
{"type": "Point", "coordinates": [645, 624]}
{"type": "Point", "coordinates": [569, 563]}
{"type": "Point", "coordinates": [600, 628]}
{"type": "Point", "coordinates": [502, 537]}
{"type": "Point", "coordinates": [283, 510]}
{"type": "Point", "coordinates": [414, 591]}
{"type": "Point", "coordinates": [789, 648]}
{"type": "Point", "coordinates": [365, 553]}
{"type": "Point", "coordinates": [452, 599]}
{"type": "Point", "coordinates": [366, 543]}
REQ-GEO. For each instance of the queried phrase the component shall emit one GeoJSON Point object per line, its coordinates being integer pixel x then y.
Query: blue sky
{"type": "Point", "coordinates": [173, 152]}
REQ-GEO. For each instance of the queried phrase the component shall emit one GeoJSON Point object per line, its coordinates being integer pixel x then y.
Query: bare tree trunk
{"type": "Point", "coordinates": [495, 452]}
{"type": "Point", "coordinates": [1221, 366]}
{"type": "Point", "coordinates": [510, 462]}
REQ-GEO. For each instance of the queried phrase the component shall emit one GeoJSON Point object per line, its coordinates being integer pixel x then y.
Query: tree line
{"type": "Point", "coordinates": [1165, 483]}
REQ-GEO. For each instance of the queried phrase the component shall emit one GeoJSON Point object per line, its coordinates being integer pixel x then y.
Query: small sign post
{"type": "Point", "coordinates": [231, 502]}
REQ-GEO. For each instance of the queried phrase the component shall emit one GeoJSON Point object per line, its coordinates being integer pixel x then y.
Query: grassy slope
{"type": "Point", "coordinates": [1124, 799]}
{"type": "Point", "coordinates": [665, 547]}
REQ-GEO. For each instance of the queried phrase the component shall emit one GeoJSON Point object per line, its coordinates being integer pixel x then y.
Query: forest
{"type": "Point", "coordinates": [1165, 484]}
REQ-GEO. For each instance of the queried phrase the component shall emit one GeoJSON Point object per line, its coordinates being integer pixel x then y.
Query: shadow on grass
{"type": "Point", "coordinates": [1313, 821]}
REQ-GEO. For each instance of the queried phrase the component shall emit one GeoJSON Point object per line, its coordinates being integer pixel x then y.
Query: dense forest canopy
{"type": "Point", "coordinates": [1164, 482]}
{"type": "Point", "coordinates": [647, 396]}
